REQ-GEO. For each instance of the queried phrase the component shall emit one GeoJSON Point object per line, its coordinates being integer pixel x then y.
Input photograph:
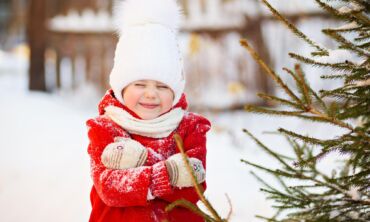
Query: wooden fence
{"type": "Point", "coordinates": [96, 51]}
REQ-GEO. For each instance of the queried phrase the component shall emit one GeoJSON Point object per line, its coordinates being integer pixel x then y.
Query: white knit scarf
{"type": "Point", "coordinates": [159, 127]}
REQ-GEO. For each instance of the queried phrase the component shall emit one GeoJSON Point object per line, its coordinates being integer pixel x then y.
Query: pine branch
{"type": "Point", "coordinates": [343, 143]}
{"type": "Point", "coordinates": [318, 99]}
{"type": "Point", "coordinates": [341, 76]}
{"type": "Point", "coordinates": [318, 194]}
{"type": "Point", "coordinates": [333, 11]}
{"type": "Point", "coordinates": [287, 189]}
{"type": "Point", "coordinates": [294, 29]}
{"type": "Point", "coordinates": [306, 139]}
{"type": "Point", "coordinates": [362, 38]}
{"type": "Point", "coordinates": [274, 172]}
{"type": "Point", "coordinates": [358, 79]}
{"type": "Point", "coordinates": [269, 151]}
{"type": "Point", "coordinates": [262, 181]}
{"type": "Point", "coordinates": [198, 188]}
{"type": "Point", "coordinates": [190, 206]}
{"type": "Point", "coordinates": [338, 90]}
{"type": "Point", "coordinates": [268, 70]}
{"type": "Point", "coordinates": [303, 177]}
{"type": "Point", "coordinates": [365, 3]}
{"type": "Point", "coordinates": [230, 207]}
{"type": "Point", "coordinates": [352, 15]}
{"type": "Point", "coordinates": [336, 66]}
{"type": "Point", "coordinates": [279, 100]}
{"type": "Point", "coordinates": [273, 220]}
{"type": "Point", "coordinates": [286, 200]}
{"type": "Point", "coordinates": [303, 88]}
{"type": "Point", "coordinates": [345, 30]}
{"type": "Point", "coordinates": [364, 45]}
{"type": "Point", "coordinates": [318, 118]}
{"type": "Point", "coordinates": [345, 43]}
{"type": "Point", "coordinates": [299, 151]}
{"type": "Point", "coordinates": [361, 18]}
{"type": "Point", "coordinates": [260, 110]}
{"type": "Point", "coordinates": [303, 85]}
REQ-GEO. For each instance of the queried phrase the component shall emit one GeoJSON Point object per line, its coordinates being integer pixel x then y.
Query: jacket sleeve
{"type": "Point", "coordinates": [116, 188]}
{"type": "Point", "coordinates": [195, 146]}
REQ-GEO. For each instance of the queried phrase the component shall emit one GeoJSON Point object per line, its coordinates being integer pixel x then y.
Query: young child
{"type": "Point", "coordinates": [136, 167]}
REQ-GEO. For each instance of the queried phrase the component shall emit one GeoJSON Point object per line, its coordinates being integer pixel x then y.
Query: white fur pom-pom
{"type": "Point", "coordinates": [131, 13]}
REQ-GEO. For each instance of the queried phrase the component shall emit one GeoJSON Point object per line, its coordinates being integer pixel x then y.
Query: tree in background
{"type": "Point", "coordinates": [37, 39]}
{"type": "Point", "coordinates": [315, 195]}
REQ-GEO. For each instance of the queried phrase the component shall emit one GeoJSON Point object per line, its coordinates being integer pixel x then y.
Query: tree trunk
{"type": "Point", "coordinates": [37, 37]}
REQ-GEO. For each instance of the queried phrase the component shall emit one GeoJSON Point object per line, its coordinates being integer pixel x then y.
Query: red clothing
{"type": "Point", "coordinates": [121, 195]}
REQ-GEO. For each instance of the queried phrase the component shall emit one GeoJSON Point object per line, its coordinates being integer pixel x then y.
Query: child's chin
{"type": "Point", "coordinates": [145, 116]}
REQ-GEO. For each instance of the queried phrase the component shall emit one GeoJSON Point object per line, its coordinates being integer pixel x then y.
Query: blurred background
{"type": "Point", "coordinates": [55, 60]}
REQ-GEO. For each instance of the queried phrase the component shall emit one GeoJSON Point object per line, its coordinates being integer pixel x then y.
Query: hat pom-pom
{"type": "Point", "coordinates": [132, 13]}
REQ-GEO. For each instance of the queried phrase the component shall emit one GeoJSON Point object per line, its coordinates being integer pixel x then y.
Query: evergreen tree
{"type": "Point", "coordinates": [342, 196]}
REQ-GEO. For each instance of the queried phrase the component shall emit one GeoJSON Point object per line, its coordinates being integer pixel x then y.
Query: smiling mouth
{"type": "Point", "coordinates": [148, 106]}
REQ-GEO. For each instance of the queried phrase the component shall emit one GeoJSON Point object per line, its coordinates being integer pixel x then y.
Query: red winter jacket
{"type": "Point", "coordinates": [121, 195]}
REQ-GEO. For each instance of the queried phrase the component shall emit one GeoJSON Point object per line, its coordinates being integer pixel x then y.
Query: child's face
{"type": "Point", "coordinates": [148, 98]}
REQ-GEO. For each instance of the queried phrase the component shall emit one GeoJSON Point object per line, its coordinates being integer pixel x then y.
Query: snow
{"type": "Point", "coordinates": [363, 83]}
{"type": "Point", "coordinates": [87, 21]}
{"type": "Point", "coordinates": [354, 215]}
{"type": "Point", "coordinates": [344, 10]}
{"type": "Point", "coordinates": [334, 214]}
{"type": "Point", "coordinates": [354, 193]}
{"type": "Point", "coordinates": [355, 6]}
{"type": "Point", "coordinates": [42, 163]}
{"type": "Point", "coordinates": [44, 160]}
{"type": "Point", "coordinates": [336, 56]}
{"type": "Point", "coordinates": [351, 25]}
{"type": "Point", "coordinates": [13, 62]}
{"type": "Point", "coordinates": [283, 41]}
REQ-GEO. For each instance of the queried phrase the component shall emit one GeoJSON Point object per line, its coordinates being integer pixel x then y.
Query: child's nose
{"type": "Point", "coordinates": [150, 93]}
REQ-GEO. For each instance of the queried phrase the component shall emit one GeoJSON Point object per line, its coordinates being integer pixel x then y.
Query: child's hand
{"type": "Point", "coordinates": [153, 157]}
{"type": "Point", "coordinates": [124, 153]}
{"type": "Point", "coordinates": [179, 176]}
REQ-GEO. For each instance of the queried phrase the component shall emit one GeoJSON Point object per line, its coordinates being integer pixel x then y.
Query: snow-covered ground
{"type": "Point", "coordinates": [44, 166]}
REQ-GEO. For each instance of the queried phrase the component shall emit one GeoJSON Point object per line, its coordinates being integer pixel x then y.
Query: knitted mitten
{"type": "Point", "coordinates": [178, 174]}
{"type": "Point", "coordinates": [160, 185]}
{"type": "Point", "coordinates": [124, 153]}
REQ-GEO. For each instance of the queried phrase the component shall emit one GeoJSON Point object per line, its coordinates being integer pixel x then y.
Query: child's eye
{"type": "Point", "coordinates": [140, 84]}
{"type": "Point", "coordinates": [162, 87]}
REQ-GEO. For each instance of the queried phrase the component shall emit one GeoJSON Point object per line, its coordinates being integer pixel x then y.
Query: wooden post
{"type": "Point", "coordinates": [58, 61]}
{"type": "Point", "coordinates": [37, 37]}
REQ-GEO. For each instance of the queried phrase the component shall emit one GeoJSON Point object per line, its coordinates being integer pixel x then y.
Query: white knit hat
{"type": "Point", "coordinates": [147, 47]}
